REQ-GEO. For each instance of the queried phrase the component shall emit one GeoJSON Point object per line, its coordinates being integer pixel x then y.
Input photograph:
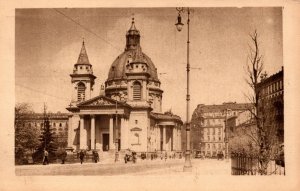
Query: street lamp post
{"type": "Point", "coordinates": [179, 25]}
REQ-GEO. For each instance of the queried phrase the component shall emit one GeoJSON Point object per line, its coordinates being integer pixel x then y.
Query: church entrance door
{"type": "Point", "coordinates": [105, 142]}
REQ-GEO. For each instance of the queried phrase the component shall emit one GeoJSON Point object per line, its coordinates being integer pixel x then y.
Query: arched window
{"type": "Point", "coordinates": [137, 91]}
{"type": "Point", "coordinates": [80, 91]}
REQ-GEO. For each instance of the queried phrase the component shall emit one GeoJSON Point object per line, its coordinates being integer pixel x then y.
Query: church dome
{"type": "Point", "coordinates": [118, 67]}
{"type": "Point", "coordinates": [133, 53]}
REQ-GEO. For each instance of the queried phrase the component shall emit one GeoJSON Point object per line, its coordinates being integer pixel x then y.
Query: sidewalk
{"type": "Point", "coordinates": [199, 167]}
{"type": "Point", "coordinates": [141, 167]}
{"type": "Point", "coordinates": [100, 168]}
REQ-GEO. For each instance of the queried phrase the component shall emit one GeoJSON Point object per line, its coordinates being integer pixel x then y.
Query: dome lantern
{"type": "Point", "coordinates": [132, 37]}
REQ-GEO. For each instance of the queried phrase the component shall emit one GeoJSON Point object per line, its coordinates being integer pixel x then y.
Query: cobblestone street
{"type": "Point", "coordinates": [147, 167]}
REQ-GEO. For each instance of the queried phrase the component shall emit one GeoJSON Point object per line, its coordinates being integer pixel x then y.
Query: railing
{"type": "Point", "coordinates": [244, 164]}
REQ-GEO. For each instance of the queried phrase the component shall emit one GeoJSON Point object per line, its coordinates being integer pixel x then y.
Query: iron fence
{"type": "Point", "coordinates": [245, 164]}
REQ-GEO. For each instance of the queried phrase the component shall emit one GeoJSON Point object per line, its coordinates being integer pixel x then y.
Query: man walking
{"type": "Point", "coordinates": [45, 159]}
{"type": "Point", "coordinates": [81, 156]}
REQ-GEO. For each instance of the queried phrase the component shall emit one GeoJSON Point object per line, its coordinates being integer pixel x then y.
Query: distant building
{"type": "Point", "coordinates": [208, 126]}
{"type": "Point", "coordinates": [58, 124]}
{"type": "Point", "coordinates": [271, 102]}
{"type": "Point", "coordinates": [240, 131]}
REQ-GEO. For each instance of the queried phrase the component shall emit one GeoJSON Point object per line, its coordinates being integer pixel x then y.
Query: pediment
{"type": "Point", "coordinates": [98, 101]}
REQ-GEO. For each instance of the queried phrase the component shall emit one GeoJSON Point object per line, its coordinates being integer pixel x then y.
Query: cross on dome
{"type": "Point", "coordinates": [133, 28]}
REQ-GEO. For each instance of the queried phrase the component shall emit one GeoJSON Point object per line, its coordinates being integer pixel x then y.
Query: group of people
{"type": "Point", "coordinates": [95, 154]}
{"type": "Point", "coordinates": [129, 156]}
{"type": "Point", "coordinates": [132, 156]}
{"type": "Point", "coordinates": [81, 155]}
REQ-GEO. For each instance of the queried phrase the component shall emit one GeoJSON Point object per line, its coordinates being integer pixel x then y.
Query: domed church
{"type": "Point", "coordinates": [127, 114]}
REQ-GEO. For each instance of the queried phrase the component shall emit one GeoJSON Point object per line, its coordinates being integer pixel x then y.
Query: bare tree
{"type": "Point", "coordinates": [264, 135]}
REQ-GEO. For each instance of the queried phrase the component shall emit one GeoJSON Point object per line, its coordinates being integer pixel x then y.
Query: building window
{"type": "Point", "coordinates": [280, 84]}
{"type": "Point", "coordinates": [137, 91]}
{"type": "Point", "coordinates": [80, 91]}
{"type": "Point", "coordinates": [208, 138]}
{"type": "Point", "coordinates": [60, 124]}
{"type": "Point", "coordinates": [54, 124]}
{"type": "Point", "coordinates": [136, 121]}
{"type": "Point", "coordinates": [208, 146]}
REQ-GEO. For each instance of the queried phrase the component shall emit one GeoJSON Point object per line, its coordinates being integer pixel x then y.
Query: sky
{"type": "Point", "coordinates": [48, 45]}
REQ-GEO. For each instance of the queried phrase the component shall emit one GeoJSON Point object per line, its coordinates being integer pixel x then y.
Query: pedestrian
{"type": "Point", "coordinates": [166, 156]}
{"type": "Point", "coordinates": [96, 156]}
{"type": "Point", "coordinates": [134, 157]}
{"type": "Point", "coordinates": [45, 159]}
{"type": "Point", "coordinates": [125, 158]}
{"type": "Point", "coordinates": [81, 156]}
{"type": "Point", "coordinates": [63, 157]}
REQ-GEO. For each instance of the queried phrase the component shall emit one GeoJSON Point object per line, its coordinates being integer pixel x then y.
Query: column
{"type": "Point", "coordinates": [157, 137]}
{"type": "Point", "coordinates": [129, 90]}
{"type": "Point", "coordinates": [70, 131]}
{"type": "Point", "coordinates": [144, 89]}
{"type": "Point", "coordinates": [164, 138]}
{"type": "Point", "coordinates": [93, 140]}
{"type": "Point", "coordinates": [174, 137]}
{"type": "Point", "coordinates": [83, 138]}
{"type": "Point", "coordinates": [111, 133]}
{"type": "Point", "coordinates": [179, 138]}
{"type": "Point", "coordinates": [123, 127]}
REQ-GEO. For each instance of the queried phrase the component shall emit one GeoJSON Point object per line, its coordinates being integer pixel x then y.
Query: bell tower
{"type": "Point", "coordinates": [82, 77]}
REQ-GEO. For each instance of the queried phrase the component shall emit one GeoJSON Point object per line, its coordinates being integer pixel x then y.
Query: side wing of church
{"type": "Point", "coordinates": [127, 114]}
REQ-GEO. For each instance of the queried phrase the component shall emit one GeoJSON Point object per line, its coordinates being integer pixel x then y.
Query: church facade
{"type": "Point", "coordinates": [127, 114]}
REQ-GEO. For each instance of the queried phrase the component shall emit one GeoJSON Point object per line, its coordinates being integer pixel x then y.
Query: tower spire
{"type": "Point", "coordinates": [83, 57]}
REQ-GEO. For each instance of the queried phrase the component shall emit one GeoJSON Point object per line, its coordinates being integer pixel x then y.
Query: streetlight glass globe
{"type": "Point", "coordinates": [179, 24]}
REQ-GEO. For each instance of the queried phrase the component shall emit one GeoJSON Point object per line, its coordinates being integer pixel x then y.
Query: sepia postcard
{"type": "Point", "coordinates": [193, 95]}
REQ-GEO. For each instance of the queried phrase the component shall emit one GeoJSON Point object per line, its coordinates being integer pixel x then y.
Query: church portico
{"type": "Point", "coordinates": [102, 132]}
